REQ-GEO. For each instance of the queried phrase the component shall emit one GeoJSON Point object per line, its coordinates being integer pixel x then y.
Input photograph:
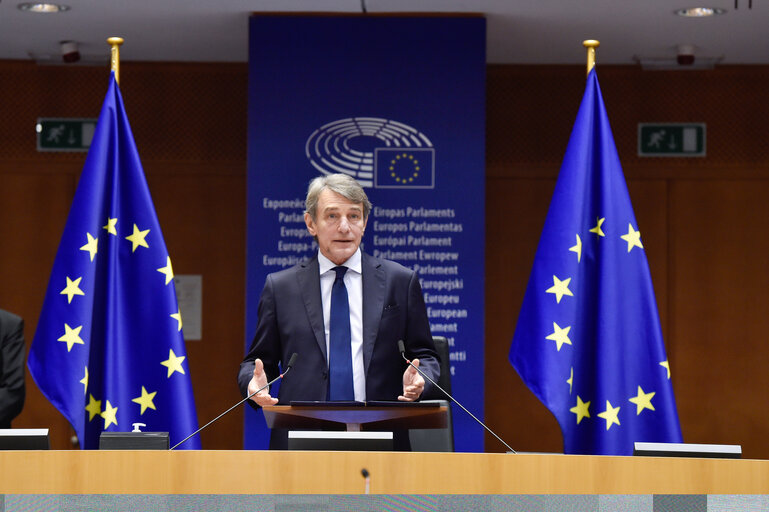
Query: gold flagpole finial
{"type": "Point", "coordinates": [591, 45]}
{"type": "Point", "coordinates": [115, 43]}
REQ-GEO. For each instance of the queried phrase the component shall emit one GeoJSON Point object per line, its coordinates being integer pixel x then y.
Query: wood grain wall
{"type": "Point", "coordinates": [704, 222]}
{"type": "Point", "coordinates": [190, 123]}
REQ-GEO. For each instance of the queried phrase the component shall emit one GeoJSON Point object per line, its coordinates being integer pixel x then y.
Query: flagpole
{"type": "Point", "coordinates": [115, 43]}
{"type": "Point", "coordinates": [591, 45]}
{"type": "Point", "coordinates": [573, 378]}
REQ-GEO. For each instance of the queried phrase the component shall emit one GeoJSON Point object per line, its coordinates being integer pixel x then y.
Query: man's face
{"type": "Point", "coordinates": [338, 226]}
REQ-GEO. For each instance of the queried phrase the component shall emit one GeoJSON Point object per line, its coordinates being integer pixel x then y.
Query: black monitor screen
{"type": "Point", "coordinates": [24, 439]}
{"type": "Point", "coordinates": [714, 451]}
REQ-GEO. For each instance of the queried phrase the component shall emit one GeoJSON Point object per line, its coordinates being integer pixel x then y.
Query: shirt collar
{"type": "Point", "coordinates": [353, 263]}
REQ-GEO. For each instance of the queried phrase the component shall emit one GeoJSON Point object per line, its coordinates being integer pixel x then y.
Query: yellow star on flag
{"type": "Point", "coordinates": [597, 229]}
{"type": "Point", "coordinates": [560, 288]}
{"type": "Point", "coordinates": [577, 248]}
{"type": "Point", "coordinates": [109, 415]}
{"type": "Point", "coordinates": [173, 363]}
{"type": "Point", "coordinates": [633, 238]}
{"type": "Point", "coordinates": [167, 270]}
{"type": "Point", "coordinates": [93, 407]}
{"type": "Point", "coordinates": [560, 336]}
{"type": "Point", "coordinates": [178, 317]}
{"type": "Point", "coordinates": [642, 401]}
{"type": "Point", "coordinates": [72, 336]}
{"type": "Point", "coordinates": [72, 289]}
{"type": "Point", "coordinates": [84, 381]}
{"type": "Point", "coordinates": [666, 365]}
{"type": "Point", "coordinates": [110, 226]}
{"type": "Point", "coordinates": [610, 415]}
{"type": "Point", "coordinates": [570, 380]}
{"type": "Point", "coordinates": [91, 246]}
{"type": "Point", "coordinates": [581, 409]}
{"type": "Point", "coordinates": [145, 400]}
{"type": "Point", "coordinates": [137, 238]}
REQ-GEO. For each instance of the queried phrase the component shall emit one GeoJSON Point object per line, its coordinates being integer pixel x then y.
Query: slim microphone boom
{"type": "Point", "coordinates": [291, 361]}
{"type": "Point", "coordinates": [402, 349]}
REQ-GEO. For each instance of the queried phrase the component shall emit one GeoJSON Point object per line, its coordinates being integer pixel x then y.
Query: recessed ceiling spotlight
{"type": "Point", "coordinates": [43, 7]}
{"type": "Point", "coordinates": [699, 12]}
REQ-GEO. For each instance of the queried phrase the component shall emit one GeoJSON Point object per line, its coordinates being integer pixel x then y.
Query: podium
{"type": "Point", "coordinates": [356, 416]}
{"type": "Point", "coordinates": [359, 420]}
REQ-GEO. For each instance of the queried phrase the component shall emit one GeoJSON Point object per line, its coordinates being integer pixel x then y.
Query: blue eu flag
{"type": "Point", "coordinates": [588, 341]}
{"type": "Point", "coordinates": [108, 351]}
{"type": "Point", "coordinates": [404, 167]}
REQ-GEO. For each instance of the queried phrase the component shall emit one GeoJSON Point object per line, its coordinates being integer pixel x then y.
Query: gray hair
{"type": "Point", "coordinates": [342, 184]}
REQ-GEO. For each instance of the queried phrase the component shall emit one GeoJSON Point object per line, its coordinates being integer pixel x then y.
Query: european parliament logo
{"type": "Point", "coordinates": [379, 153]}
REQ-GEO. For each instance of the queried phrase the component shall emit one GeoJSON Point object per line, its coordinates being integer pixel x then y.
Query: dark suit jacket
{"type": "Point", "coordinates": [11, 367]}
{"type": "Point", "coordinates": [291, 320]}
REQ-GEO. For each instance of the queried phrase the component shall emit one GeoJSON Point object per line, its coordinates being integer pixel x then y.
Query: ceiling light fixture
{"type": "Point", "coordinates": [699, 12]}
{"type": "Point", "coordinates": [43, 8]}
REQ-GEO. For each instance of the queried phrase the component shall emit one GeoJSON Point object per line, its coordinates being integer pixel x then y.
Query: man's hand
{"type": "Point", "coordinates": [260, 379]}
{"type": "Point", "coordinates": [413, 384]}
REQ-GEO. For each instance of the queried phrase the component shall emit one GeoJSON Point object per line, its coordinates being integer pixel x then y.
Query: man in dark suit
{"type": "Point", "coordinates": [11, 367]}
{"type": "Point", "coordinates": [347, 351]}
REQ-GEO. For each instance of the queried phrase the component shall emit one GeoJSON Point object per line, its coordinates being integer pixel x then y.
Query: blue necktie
{"type": "Point", "coordinates": [340, 338]}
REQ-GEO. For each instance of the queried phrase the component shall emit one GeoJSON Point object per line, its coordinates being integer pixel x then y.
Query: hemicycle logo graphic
{"type": "Point", "coordinates": [379, 153]}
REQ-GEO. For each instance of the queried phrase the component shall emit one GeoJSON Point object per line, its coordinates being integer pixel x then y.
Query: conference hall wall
{"type": "Point", "coordinates": [703, 222]}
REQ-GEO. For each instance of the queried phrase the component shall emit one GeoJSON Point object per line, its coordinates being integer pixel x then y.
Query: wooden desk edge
{"type": "Point", "coordinates": [273, 472]}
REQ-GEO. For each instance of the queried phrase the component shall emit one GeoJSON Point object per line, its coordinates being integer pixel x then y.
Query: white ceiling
{"type": "Point", "coordinates": [519, 31]}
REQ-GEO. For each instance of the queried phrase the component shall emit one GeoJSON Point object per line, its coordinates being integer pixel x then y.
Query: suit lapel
{"type": "Point", "coordinates": [373, 302]}
{"type": "Point", "coordinates": [308, 276]}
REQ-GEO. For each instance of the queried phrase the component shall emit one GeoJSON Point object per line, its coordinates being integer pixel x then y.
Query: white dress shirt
{"type": "Point", "coordinates": [353, 281]}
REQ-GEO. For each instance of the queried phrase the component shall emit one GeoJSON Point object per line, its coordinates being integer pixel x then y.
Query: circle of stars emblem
{"type": "Point", "coordinates": [404, 168]}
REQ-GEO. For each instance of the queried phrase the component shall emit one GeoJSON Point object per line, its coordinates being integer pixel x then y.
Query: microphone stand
{"type": "Point", "coordinates": [402, 349]}
{"type": "Point", "coordinates": [288, 367]}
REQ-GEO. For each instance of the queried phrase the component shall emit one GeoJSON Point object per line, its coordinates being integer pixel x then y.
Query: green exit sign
{"type": "Point", "coordinates": [671, 139]}
{"type": "Point", "coordinates": [64, 134]}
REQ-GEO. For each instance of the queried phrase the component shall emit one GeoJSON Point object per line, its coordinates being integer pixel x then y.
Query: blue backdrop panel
{"type": "Point", "coordinates": [398, 103]}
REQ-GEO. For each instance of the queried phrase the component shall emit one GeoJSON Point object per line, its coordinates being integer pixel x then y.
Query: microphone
{"type": "Point", "coordinates": [367, 488]}
{"type": "Point", "coordinates": [402, 349]}
{"type": "Point", "coordinates": [291, 361]}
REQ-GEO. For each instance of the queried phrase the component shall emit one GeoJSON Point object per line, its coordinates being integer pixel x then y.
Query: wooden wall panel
{"type": "Point", "coordinates": [33, 208]}
{"type": "Point", "coordinates": [649, 199]}
{"type": "Point", "coordinates": [719, 248]}
{"type": "Point", "coordinates": [189, 124]}
{"type": "Point", "coordinates": [178, 112]}
{"type": "Point", "coordinates": [515, 213]}
{"type": "Point", "coordinates": [703, 225]}
{"type": "Point", "coordinates": [203, 218]}
{"type": "Point", "coordinates": [516, 209]}
{"type": "Point", "coordinates": [703, 222]}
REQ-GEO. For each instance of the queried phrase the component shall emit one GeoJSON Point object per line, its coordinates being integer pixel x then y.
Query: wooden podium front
{"type": "Point", "coordinates": [357, 418]}
{"type": "Point", "coordinates": [274, 472]}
